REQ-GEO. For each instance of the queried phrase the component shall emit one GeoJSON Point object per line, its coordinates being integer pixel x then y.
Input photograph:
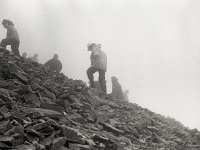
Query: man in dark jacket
{"type": "Point", "coordinates": [12, 37]}
{"type": "Point", "coordinates": [54, 65]}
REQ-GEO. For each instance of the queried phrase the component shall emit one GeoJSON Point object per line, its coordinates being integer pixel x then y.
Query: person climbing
{"type": "Point", "coordinates": [98, 60]}
{"type": "Point", "coordinates": [12, 37]}
{"type": "Point", "coordinates": [54, 65]}
{"type": "Point", "coordinates": [117, 89]}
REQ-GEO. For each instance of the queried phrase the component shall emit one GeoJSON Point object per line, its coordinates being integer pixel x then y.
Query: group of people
{"type": "Point", "coordinates": [98, 60]}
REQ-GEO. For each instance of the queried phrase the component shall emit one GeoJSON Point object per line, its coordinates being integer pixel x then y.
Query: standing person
{"type": "Point", "coordinates": [54, 65]}
{"type": "Point", "coordinates": [12, 37]}
{"type": "Point", "coordinates": [98, 63]}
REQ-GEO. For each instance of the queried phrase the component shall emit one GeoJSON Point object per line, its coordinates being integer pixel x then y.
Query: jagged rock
{"type": "Point", "coordinates": [47, 113]}
{"type": "Point", "coordinates": [112, 129]}
{"type": "Point", "coordinates": [16, 129]}
{"type": "Point", "coordinates": [75, 100]}
{"type": "Point", "coordinates": [3, 146]}
{"type": "Point", "coordinates": [152, 129]}
{"type": "Point", "coordinates": [21, 77]}
{"type": "Point", "coordinates": [52, 107]}
{"type": "Point", "coordinates": [79, 147]}
{"type": "Point", "coordinates": [67, 109]}
{"type": "Point", "coordinates": [7, 140]}
{"type": "Point", "coordinates": [72, 134]}
{"type": "Point", "coordinates": [77, 118]}
{"type": "Point", "coordinates": [32, 99]}
{"type": "Point", "coordinates": [38, 126]}
{"type": "Point", "coordinates": [3, 126]}
{"type": "Point", "coordinates": [101, 117]}
{"type": "Point", "coordinates": [39, 146]}
{"type": "Point", "coordinates": [58, 142]}
{"type": "Point", "coordinates": [25, 147]}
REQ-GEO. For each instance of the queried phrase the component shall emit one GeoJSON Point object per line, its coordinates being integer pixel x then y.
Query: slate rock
{"type": "Point", "coordinates": [112, 129]}
{"type": "Point", "coordinates": [77, 118]}
{"type": "Point", "coordinates": [32, 99]}
{"type": "Point", "coordinates": [58, 142]}
{"type": "Point", "coordinates": [25, 147]}
{"type": "Point", "coordinates": [79, 147]}
{"type": "Point", "coordinates": [72, 134]}
{"type": "Point", "coordinates": [47, 113]}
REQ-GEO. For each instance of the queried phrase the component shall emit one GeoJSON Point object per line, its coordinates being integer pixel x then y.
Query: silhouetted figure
{"type": "Point", "coordinates": [98, 64]}
{"type": "Point", "coordinates": [34, 58]}
{"type": "Point", "coordinates": [12, 37]}
{"type": "Point", "coordinates": [24, 55]}
{"type": "Point", "coordinates": [126, 96]}
{"type": "Point", "coordinates": [117, 89]}
{"type": "Point", "coordinates": [54, 65]}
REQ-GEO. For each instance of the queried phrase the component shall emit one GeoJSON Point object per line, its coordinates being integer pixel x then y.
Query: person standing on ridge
{"type": "Point", "coordinates": [98, 60]}
{"type": "Point", "coordinates": [12, 37]}
{"type": "Point", "coordinates": [54, 65]}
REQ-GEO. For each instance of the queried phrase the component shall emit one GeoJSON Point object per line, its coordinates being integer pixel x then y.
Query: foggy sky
{"type": "Point", "coordinates": [152, 45]}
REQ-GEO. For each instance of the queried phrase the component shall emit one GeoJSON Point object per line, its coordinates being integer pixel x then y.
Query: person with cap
{"type": "Point", "coordinates": [12, 37]}
{"type": "Point", "coordinates": [54, 65]}
{"type": "Point", "coordinates": [98, 60]}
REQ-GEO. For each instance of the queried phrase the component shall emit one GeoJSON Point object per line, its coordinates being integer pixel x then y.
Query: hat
{"type": "Point", "coordinates": [90, 46]}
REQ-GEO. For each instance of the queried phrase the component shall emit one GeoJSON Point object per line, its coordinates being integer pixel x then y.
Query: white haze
{"type": "Point", "coordinates": [152, 45]}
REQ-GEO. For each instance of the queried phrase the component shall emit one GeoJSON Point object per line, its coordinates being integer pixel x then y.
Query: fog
{"type": "Point", "coordinates": [152, 45]}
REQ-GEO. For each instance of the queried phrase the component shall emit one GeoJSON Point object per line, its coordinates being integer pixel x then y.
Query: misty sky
{"type": "Point", "coordinates": [152, 45]}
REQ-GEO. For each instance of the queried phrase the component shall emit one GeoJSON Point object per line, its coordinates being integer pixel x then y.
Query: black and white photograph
{"type": "Point", "coordinates": [99, 74]}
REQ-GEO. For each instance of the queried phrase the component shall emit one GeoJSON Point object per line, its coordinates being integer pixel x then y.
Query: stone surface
{"type": "Point", "coordinates": [39, 110]}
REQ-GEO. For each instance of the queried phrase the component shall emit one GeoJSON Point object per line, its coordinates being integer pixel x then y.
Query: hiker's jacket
{"type": "Point", "coordinates": [98, 59]}
{"type": "Point", "coordinates": [12, 33]}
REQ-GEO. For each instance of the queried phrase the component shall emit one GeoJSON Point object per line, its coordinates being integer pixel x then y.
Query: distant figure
{"type": "Point", "coordinates": [117, 89]}
{"type": "Point", "coordinates": [126, 96]}
{"type": "Point", "coordinates": [54, 65]}
{"type": "Point", "coordinates": [12, 37]}
{"type": "Point", "coordinates": [34, 58]}
{"type": "Point", "coordinates": [98, 63]}
{"type": "Point", "coordinates": [24, 55]}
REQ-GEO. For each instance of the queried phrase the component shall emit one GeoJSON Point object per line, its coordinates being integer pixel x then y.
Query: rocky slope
{"type": "Point", "coordinates": [40, 110]}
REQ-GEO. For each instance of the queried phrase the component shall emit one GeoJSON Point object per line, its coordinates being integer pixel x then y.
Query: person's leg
{"type": "Point", "coordinates": [90, 73]}
{"type": "Point", "coordinates": [15, 47]}
{"type": "Point", "coordinates": [102, 80]}
{"type": "Point", "coordinates": [4, 43]}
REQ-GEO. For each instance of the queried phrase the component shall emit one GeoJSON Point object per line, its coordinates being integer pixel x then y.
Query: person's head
{"type": "Point", "coordinates": [91, 46]}
{"type": "Point", "coordinates": [55, 56]}
{"type": "Point", "coordinates": [6, 23]}
{"type": "Point", "coordinates": [114, 79]}
{"type": "Point", "coordinates": [24, 54]}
